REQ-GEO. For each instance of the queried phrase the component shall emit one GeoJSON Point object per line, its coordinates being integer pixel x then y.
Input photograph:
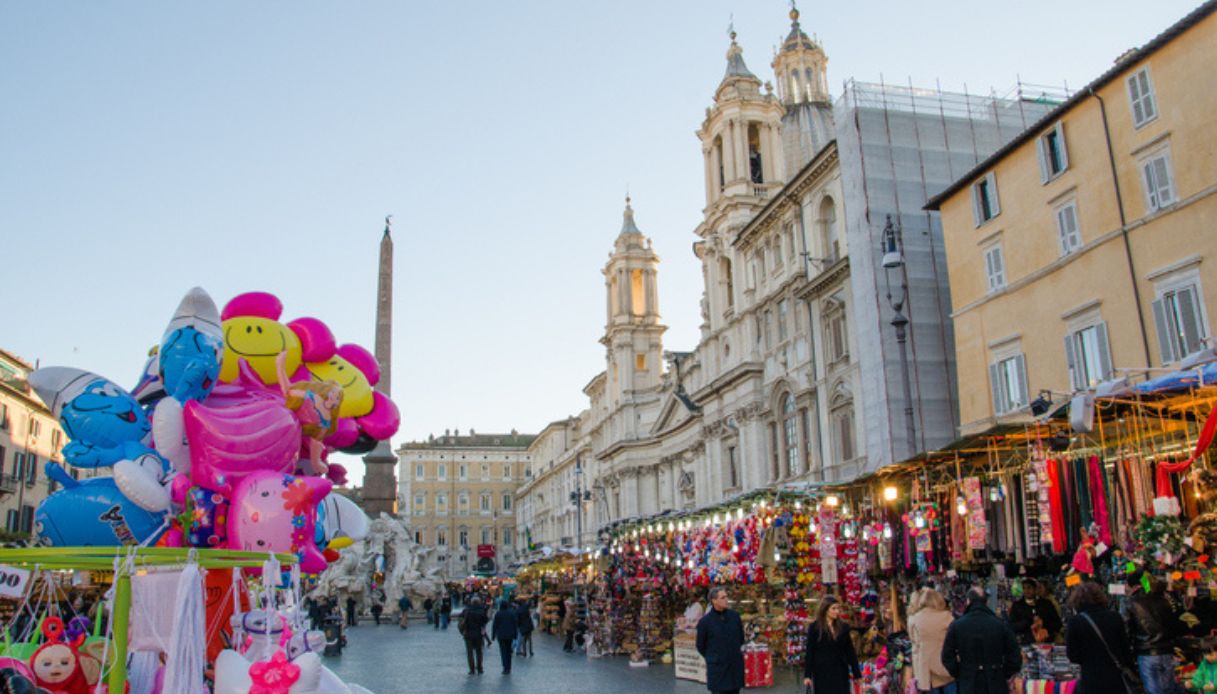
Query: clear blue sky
{"type": "Point", "coordinates": [146, 147]}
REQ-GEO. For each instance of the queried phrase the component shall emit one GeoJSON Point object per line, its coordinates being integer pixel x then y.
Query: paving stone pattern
{"type": "Point", "coordinates": [389, 660]}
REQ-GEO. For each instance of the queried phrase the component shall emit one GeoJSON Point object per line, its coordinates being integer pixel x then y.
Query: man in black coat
{"type": "Point", "coordinates": [504, 630]}
{"type": "Point", "coordinates": [1033, 608]}
{"type": "Point", "coordinates": [524, 622]}
{"type": "Point", "coordinates": [472, 627]}
{"type": "Point", "coordinates": [720, 638]}
{"type": "Point", "coordinates": [981, 651]}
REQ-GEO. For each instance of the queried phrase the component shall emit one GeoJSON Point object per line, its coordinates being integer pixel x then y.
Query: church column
{"type": "Point", "coordinates": [741, 151]}
{"type": "Point", "coordinates": [776, 156]}
{"type": "Point", "coordinates": [652, 293]}
{"type": "Point", "coordinates": [729, 153]}
{"type": "Point", "coordinates": [708, 157]}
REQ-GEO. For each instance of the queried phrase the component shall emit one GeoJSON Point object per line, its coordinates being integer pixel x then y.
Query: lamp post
{"type": "Point", "coordinates": [577, 497]}
{"type": "Point", "coordinates": [893, 259]}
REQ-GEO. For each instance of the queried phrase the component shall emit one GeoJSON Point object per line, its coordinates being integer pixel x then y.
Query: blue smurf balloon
{"type": "Point", "coordinates": [93, 513]}
{"type": "Point", "coordinates": [103, 421]}
{"type": "Point", "coordinates": [190, 351]}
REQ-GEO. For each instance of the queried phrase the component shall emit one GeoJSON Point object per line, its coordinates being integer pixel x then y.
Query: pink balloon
{"type": "Point", "coordinates": [228, 443]}
{"type": "Point", "coordinates": [363, 360]}
{"type": "Point", "coordinates": [274, 512]}
{"type": "Point", "coordinates": [316, 341]}
{"type": "Point", "coordinates": [346, 434]}
{"type": "Point", "coordinates": [260, 304]}
{"type": "Point", "coordinates": [383, 420]}
{"type": "Point", "coordinates": [18, 665]}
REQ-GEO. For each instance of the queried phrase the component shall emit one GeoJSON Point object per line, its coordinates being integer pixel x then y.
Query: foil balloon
{"type": "Point", "coordinates": [274, 512]}
{"type": "Point", "coordinates": [228, 443]}
{"type": "Point", "coordinates": [93, 513]}
{"type": "Point", "coordinates": [104, 422]}
{"type": "Point", "coordinates": [253, 333]}
{"type": "Point", "coordinates": [191, 348]}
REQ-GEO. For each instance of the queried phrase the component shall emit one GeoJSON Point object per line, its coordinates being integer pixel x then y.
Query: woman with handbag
{"type": "Point", "coordinates": [829, 660]}
{"type": "Point", "coordinates": [1095, 639]}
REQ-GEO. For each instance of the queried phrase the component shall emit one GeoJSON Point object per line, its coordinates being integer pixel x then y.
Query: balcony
{"type": "Point", "coordinates": [8, 484]}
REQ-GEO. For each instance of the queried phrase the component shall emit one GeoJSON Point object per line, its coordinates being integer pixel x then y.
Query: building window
{"type": "Point", "coordinates": [463, 537]}
{"type": "Point", "coordinates": [640, 362]}
{"type": "Point", "coordinates": [1008, 378]}
{"type": "Point", "coordinates": [441, 537]}
{"type": "Point", "coordinates": [506, 472]}
{"type": "Point", "coordinates": [463, 472]}
{"type": "Point", "coordinates": [985, 205]}
{"type": "Point", "coordinates": [419, 471]}
{"type": "Point", "coordinates": [441, 503]}
{"type": "Point", "coordinates": [485, 502]}
{"type": "Point", "coordinates": [829, 239]}
{"type": "Point", "coordinates": [420, 504]}
{"type": "Point", "coordinates": [462, 503]}
{"type": "Point", "coordinates": [27, 518]}
{"type": "Point", "coordinates": [485, 471]}
{"type": "Point", "coordinates": [19, 466]}
{"type": "Point", "coordinates": [728, 281]}
{"type": "Point", "coordinates": [507, 533]}
{"type": "Point", "coordinates": [1067, 228]}
{"type": "Point", "coordinates": [11, 519]}
{"type": "Point", "coordinates": [843, 426]}
{"type": "Point", "coordinates": [1156, 179]}
{"type": "Point", "coordinates": [441, 471]}
{"type": "Point", "coordinates": [995, 268]}
{"type": "Point", "coordinates": [487, 535]}
{"type": "Point", "coordinates": [811, 452]}
{"type": "Point", "coordinates": [1179, 319]}
{"type": "Point", "coordinates": [836, 328]}
{"type": "Point", "coordinates": [1141, 97]}
{"type": "Point", "coordinates": [790, 435]}
{"type": "Point", "coordinates": [1054, 158]}
{"type": "Point", "coordinates": [56, 440]}
{"type": "Point", "coordinates": [1088, 356]}
{"type": "Point", "coordinates": [769, 342]}
{"type": "Point", "coordinates": [507, 501]}
{"type": "Point", "coordinates": [418, 537]}
{"type": "Point", "coordinates": [3, 456]}
{"type": "Point", "coordinates": [732, 468]}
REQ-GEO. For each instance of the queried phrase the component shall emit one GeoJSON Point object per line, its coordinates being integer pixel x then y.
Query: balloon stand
{"type": "Point", "coordinates": [126, 562]}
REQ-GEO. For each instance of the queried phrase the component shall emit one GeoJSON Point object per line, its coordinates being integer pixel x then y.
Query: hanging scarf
{"type": "Point", "coordinates": [1098, 492]}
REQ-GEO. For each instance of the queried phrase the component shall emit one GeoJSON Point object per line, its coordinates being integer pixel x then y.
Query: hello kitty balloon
{"type": "Point", "coordinates": [276, 512]}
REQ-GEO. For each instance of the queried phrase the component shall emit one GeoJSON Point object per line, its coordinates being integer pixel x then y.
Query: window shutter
{"type": "Point", "coordinates": [1163, 180]}
{"type": "Point", "coordinates": [1134, 94]}
{"type": "Point", "coordinates": [1189, 318]}
{"type": "Point", "coordinates": [1147, 94]}
{"type": "Point", "coordinates": [995, 383]}
{"type": "Point", "coordinates": [1165, 343]}
{"type": "Point", "coordinates": [1104, 350]}
{"type": "Point", "coordinates": [1151, 187]}
{"type": "Point", "coordinates": [1021, 396]}
{"type": "Point", "coordinates": [1071, 362]}
{"type": "Point", "coordinates": [1044, 157]}
{"type": "Point", "coordinates": [976, 205]}
{"type": "Point", "coordinates": [1062, 150]}
{"type": "Point", "coordinates": [994, 203]}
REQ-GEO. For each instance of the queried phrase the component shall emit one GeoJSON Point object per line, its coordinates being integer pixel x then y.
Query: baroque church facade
{"type": "Point", "coordinates": [812, 242]}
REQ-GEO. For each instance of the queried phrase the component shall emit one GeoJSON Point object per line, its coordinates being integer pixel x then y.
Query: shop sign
{"type": "Point", "coordinates": [13, 581]}
{"type": "Point", "coordinates": [486, 551]}
{"type": "Point", "coordinates": [689, 663]}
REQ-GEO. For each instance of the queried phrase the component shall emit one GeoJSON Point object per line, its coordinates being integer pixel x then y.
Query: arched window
{"type": "Point", "coordinates": [829, 238]}
{"type": "Point", "coordinates": [811, 85]}
{"type": "Point", "coordinates": [755, 168]}
{"type": "Point", "coordinates": [795, 91]}
{"type": "Point", "coordinates": [790, 435]}
{"type": "Point", "coordinates": [728, 281]}
{"type": "Point", "coordinates": [843, 425]}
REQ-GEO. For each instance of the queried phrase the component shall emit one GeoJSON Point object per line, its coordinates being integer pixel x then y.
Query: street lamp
{"type": "Point", "coordinates": [893, 259]}
{"type": "Point", "coordinates": [577, 497]}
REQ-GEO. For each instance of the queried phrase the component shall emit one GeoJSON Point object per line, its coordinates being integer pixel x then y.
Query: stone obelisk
{"type": "Point", "coordinates": [379, 480]}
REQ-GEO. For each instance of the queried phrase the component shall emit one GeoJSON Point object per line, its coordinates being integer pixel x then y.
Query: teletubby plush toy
{"type": "Point", "coordinates": [56, 664]}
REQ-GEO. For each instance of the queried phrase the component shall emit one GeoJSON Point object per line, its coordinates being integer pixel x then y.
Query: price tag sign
{"type": "Point", "coordinates": [12, 581]}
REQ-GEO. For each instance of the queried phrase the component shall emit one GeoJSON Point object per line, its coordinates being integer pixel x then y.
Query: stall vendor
{"type": "Point", "coordinates": [1034, 618]}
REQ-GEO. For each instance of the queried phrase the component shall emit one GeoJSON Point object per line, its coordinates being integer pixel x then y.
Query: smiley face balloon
{"type": "Point", "coordinates": [252, 332]}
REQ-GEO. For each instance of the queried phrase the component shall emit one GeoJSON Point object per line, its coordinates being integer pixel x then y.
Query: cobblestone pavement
{"type": "Point", "coordinates": [423, 660]}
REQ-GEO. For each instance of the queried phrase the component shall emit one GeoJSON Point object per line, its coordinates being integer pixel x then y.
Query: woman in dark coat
{"type": "Point", "coordinates": [829, 660]}
{"type": "Point", "coordinates": [1084, 646]}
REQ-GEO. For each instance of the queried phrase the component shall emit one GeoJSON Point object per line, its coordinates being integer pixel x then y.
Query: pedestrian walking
{"type": "Point", "coordinates": [472, 627]}
{"type": "Point", "coordinates": [350, 611]}
{"type": "Point", "coordinates": [445, 611]}
{"type": "Point", "coordinates": [429, 608]}
{"type": "Point", "coordinates": [504, 631]}
{"type": "Point", "coordinates": [829, 660]}
{"type": "Point", "coordinates": [1152, 628]}
{"type": "Point", "coordinates": [927, 631]}
{"type": "Point", "coordinates": [1095, 640]}
{"type": "Point", "coordinates": [377, 610]}
{"type": "Point", "coordinates": [524, 620]}
{"type": "Point", "coordinates": [568, 625]}
{"type": "Point", "coordinates": [404, 605]}
{"type": "Point", "coordinates": [980, 650]}
{"type": "Point", "coordinates": [720, 638]}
